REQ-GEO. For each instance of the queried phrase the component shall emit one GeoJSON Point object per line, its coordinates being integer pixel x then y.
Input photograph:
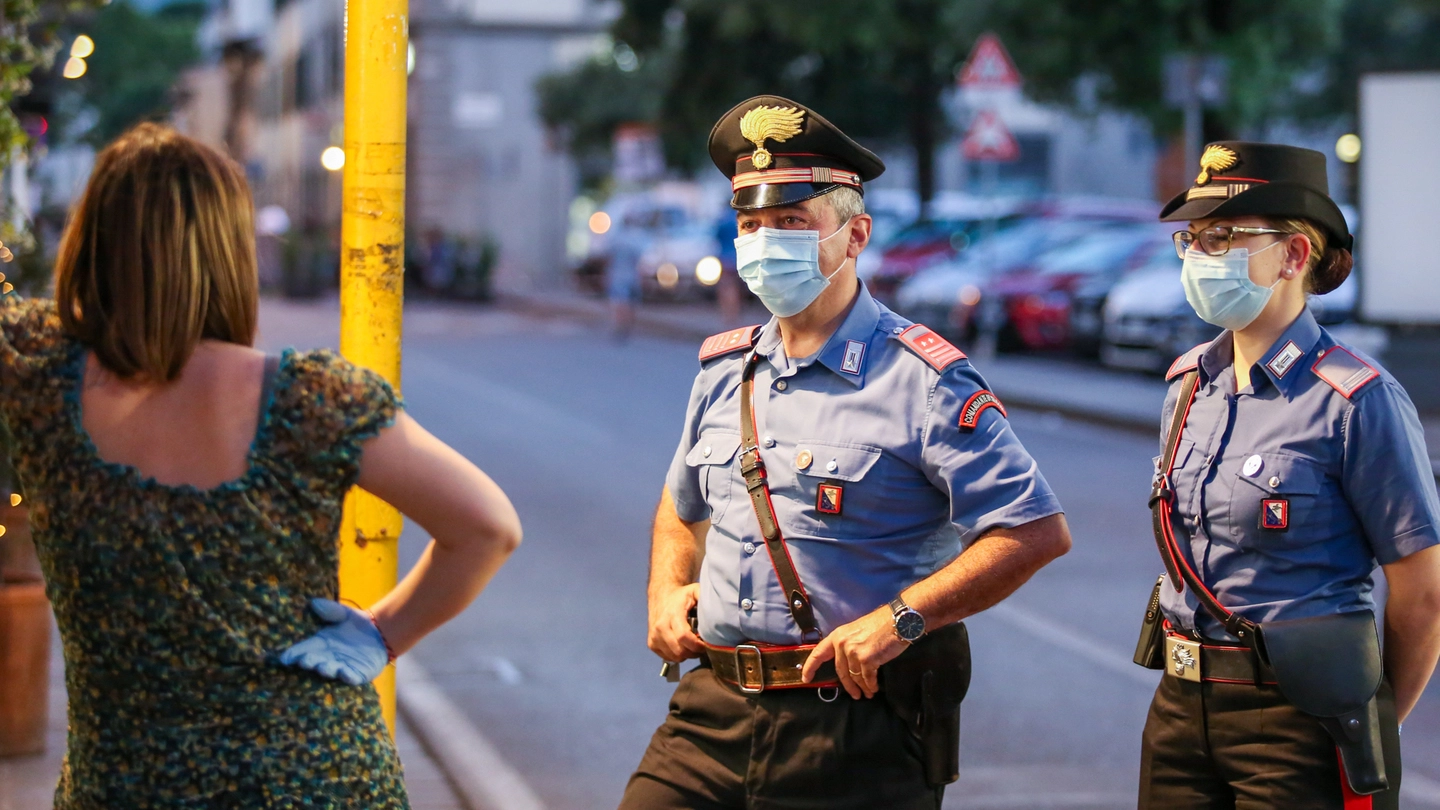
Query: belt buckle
{"type": "Point", "coordinates": [1182, 658]}
{"type": "Point", "coordinates": [740, 679]}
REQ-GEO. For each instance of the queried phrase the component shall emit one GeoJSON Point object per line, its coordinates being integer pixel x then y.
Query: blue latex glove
{"type": "Point", "coordinates": [350, 649]}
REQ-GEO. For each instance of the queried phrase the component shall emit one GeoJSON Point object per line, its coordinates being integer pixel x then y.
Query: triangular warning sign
{"type": "Point", "coordinates": [989, 65]}
{"type": "Point", "coordinates": [990, 139]}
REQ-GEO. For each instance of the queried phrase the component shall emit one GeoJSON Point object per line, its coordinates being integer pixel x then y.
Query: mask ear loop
{"type": "Point", "coordinates": [843, 227]}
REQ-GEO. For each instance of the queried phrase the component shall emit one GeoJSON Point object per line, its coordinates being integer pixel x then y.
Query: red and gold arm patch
{"type": "Point", "coordinates": [977, 404]}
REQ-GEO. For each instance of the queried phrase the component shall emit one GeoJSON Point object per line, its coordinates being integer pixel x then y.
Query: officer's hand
{"type": "Point", "coordinates": [859, 649]}
{"type": "Point", "coordinates": [670, 635]}
{"type": "Point", "coordinates": [349, 648]}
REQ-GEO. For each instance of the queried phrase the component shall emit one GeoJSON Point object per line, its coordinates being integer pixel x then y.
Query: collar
{"type": "Point", "coordinates": [1282, 361]}
{"type": "Point", "coordinates": [838, 354]}
{"type": "Point", "coordinates": [1279, 362]}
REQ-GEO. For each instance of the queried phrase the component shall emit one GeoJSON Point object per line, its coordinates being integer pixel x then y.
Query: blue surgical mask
{"type": "Point", "coordinates": [782, 267]}
{"type": "Point", "coordinates": [1220, 290]}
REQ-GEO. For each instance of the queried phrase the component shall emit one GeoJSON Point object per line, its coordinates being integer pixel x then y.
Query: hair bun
{"type": "Point", "coordinates": [1331, 272]}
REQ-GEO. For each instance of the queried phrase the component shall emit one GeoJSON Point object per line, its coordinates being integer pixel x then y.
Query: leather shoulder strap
{"type": "Point", "coordinates": [726, 342]}
{"type": "Point", "coordinates": [933, 349]}
{"type": "Point", "coordinates": [752, 468]}
{"type": "Point", "coordinates": [1162, 496]}
{"type": "Point", "coordinates": [1343, 371]}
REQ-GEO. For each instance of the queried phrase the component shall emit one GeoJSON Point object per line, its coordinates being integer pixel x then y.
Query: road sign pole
{"type": "Point", "coordinates": [372, 251]}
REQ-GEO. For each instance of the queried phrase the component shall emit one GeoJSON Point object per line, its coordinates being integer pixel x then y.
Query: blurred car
{"type": "Point", "coordinates": [1030, 306]}
{"type": "Point", "coordinates": [669, 266]}
{"type": "Point", "coordinates": [954, 221]}
{"type": "Point", "coordinates": [945, 295]}
{"type": "Point", "coordinates": [1148, 323]}
{"type": "Point", "coordinates": [674, 241]}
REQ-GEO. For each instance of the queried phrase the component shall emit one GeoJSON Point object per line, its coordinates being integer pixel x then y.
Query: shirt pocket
{"type": "Point", "coordinates": [1283, 503]}
{"type": "Point", "coordinates": [1183, 475]}
{"type": "Point", "coordinates": [849, 509]}
{"type": "Point", "coordinates": [711, 458]}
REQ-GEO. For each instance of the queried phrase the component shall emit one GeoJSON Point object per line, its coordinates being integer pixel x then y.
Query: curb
{"type": "Point", "coordinates": [482, 778]}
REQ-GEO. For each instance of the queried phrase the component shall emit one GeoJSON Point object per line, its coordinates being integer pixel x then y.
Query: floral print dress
{"type": "Point", "coordinates": [173, 602]}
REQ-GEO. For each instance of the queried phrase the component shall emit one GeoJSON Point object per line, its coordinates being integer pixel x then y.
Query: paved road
{"type": "Point", "coordinates": [550, 663]}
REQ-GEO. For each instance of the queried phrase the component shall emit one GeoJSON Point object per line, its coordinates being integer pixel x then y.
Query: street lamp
{"type": "Point", "coordinates": [1348, 148]}
{"type": "Point", "coordinates": [333, 158]}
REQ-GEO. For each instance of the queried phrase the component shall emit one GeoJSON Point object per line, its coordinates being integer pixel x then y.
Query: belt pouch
{"type": "Point", "coordinates": [1329, 667]}
{"type": "Point", "coordinates": [1150, 648]}
{"type": "Point", "coordinates": [925, 686]}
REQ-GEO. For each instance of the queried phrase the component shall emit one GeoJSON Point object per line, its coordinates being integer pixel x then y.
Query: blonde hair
{"type": "Point", "coordinates": [1328, 266]}
{"type": "Point", "coordinates": [158, 254]}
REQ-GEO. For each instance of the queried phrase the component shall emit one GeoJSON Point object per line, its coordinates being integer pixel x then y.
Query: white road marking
{"type": "Point", "coordinates": [503, 669]}
{"type": "Point", "coordinates": [1097, 652]}
{"type": "Point", "coordinates": [482, 777]}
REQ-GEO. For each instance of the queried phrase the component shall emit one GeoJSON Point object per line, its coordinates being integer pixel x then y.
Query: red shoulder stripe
{"type": "Point", "coordinates": [1344, 371]}
{"type": "Point", "coordinates": [932, 348]}
{"type": "Point", "coordinates": [726, 342]}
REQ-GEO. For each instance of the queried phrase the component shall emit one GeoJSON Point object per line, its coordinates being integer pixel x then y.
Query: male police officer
{"type": "Point", "coordinates": [834, 464]}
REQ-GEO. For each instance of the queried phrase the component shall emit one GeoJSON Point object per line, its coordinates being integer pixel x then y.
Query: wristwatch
{"type": "Point", "coordinates": [909, 624]}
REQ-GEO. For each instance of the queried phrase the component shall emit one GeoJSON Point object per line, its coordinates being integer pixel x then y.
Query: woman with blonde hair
{"type": "Point", "coordinates": [186, 494]}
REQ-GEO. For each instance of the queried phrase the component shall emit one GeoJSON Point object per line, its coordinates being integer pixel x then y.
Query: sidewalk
{"type": "Point", "coordinates": [28, 783]}
{"type": "Point", "coordinates": [1090, 392]}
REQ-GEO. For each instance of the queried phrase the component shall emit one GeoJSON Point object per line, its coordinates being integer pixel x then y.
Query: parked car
{"type": "Point", "coordinates": [1148, 323]}
{"type": "Point", "coordinates": [945, 296]}
{"type": "Point", "coordinates": [954, 222]}
{"type": "Point", "coordinates": [1030, 306]}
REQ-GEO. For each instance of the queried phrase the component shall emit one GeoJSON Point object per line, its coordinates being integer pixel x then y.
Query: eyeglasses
{"type": "Point", "coordinates": [1214, 241]}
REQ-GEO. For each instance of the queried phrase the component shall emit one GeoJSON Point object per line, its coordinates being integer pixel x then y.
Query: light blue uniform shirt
{"type": "Point", "coordinates": [1353, 474]}
{"type": "Point", "coordinates": [886, 428]}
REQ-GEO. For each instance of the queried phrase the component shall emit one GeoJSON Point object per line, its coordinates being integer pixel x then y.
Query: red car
{"type": "Point", "coordinates": [954, 222]}
{"type": "Point", "coordinates": [1029, 307]}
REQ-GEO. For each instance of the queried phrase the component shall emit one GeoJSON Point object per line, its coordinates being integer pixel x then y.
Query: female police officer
{"type": "Point", "coordinates": [1299, 465]}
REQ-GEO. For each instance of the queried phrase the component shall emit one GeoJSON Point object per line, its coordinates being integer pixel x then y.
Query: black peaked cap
{"type": "Point", "coordinates": [778, 152]}
{"type": "Point", "coordinates": [1240, 178]}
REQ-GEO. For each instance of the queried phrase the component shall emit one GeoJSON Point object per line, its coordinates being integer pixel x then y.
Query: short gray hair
{"type": "Point", "coordinates": [846, 202]}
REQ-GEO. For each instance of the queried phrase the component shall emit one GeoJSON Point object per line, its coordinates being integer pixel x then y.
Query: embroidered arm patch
{"type": "Point", "coordinates": [976, 405]}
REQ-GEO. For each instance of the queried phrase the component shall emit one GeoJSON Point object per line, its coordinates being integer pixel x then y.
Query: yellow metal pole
{"type": "Point", "coordinates": [372, 249]}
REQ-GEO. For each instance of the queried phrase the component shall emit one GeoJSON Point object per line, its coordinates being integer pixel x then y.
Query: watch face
{"type": "Point", "coordinates": [910, 625]}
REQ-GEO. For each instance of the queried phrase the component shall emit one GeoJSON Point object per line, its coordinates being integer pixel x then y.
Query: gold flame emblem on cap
{"type": "Point", "coordinates": [778, 124]}
{"type": "Point", "coordinates": [1216, 159]}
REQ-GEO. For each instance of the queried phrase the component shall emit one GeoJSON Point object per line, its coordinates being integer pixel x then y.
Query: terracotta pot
{"type": "Point", "coordinates": [24, 641]}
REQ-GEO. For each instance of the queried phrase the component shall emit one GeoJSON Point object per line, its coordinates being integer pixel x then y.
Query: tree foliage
{"type": "Point", "coordinates": [879, 68]}
{"type": "Point", "coordinates": [137, 61]}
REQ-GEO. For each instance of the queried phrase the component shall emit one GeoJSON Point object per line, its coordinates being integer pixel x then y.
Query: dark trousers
{"type": "Point", "coordinates": [1220, 745]}
{"type": "Point", "coordinates": [720, 749]}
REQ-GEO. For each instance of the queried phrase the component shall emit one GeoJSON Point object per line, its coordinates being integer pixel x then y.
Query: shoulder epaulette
{"type": "Point", "coordinates": [727, 342]}
{"type": "Point", "coordinates": [933, 349]}
{"type": "Point", "coordinates": [1189, 361]}
{"type": "Point", "coordinates": [1344, 371]}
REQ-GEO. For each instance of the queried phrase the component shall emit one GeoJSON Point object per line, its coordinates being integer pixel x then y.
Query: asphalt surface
{"type": "Point", "coordinates": [550, 662]}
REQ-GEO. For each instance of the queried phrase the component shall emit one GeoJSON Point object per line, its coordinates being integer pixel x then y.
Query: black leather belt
{"type": "Point", "coordinates": [1191, 658]}
{"type": "Point", "coordinates": [754, 668]}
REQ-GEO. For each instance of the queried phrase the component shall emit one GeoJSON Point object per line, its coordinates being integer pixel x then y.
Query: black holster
{"type": "Point", "coordinates": [924, 686]}
{"type": "Point", "coordinates": [1329, 667]}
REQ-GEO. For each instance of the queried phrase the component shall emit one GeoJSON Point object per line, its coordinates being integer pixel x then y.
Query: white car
{"type": "Point", "coordinates": [1148, 322]}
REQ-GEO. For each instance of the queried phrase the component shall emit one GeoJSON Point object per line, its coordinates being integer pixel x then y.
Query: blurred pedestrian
{"type": "Point", "coordinates": [1292, 465]}
{"type": "Point", "coordinates": [727, 290]}
{"type": "Point", "coordinates": [186, 494]}
{"type": "Point", "coordinates": [865, 456]}
{"type": "Point", "coordinates": [624, 248]}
